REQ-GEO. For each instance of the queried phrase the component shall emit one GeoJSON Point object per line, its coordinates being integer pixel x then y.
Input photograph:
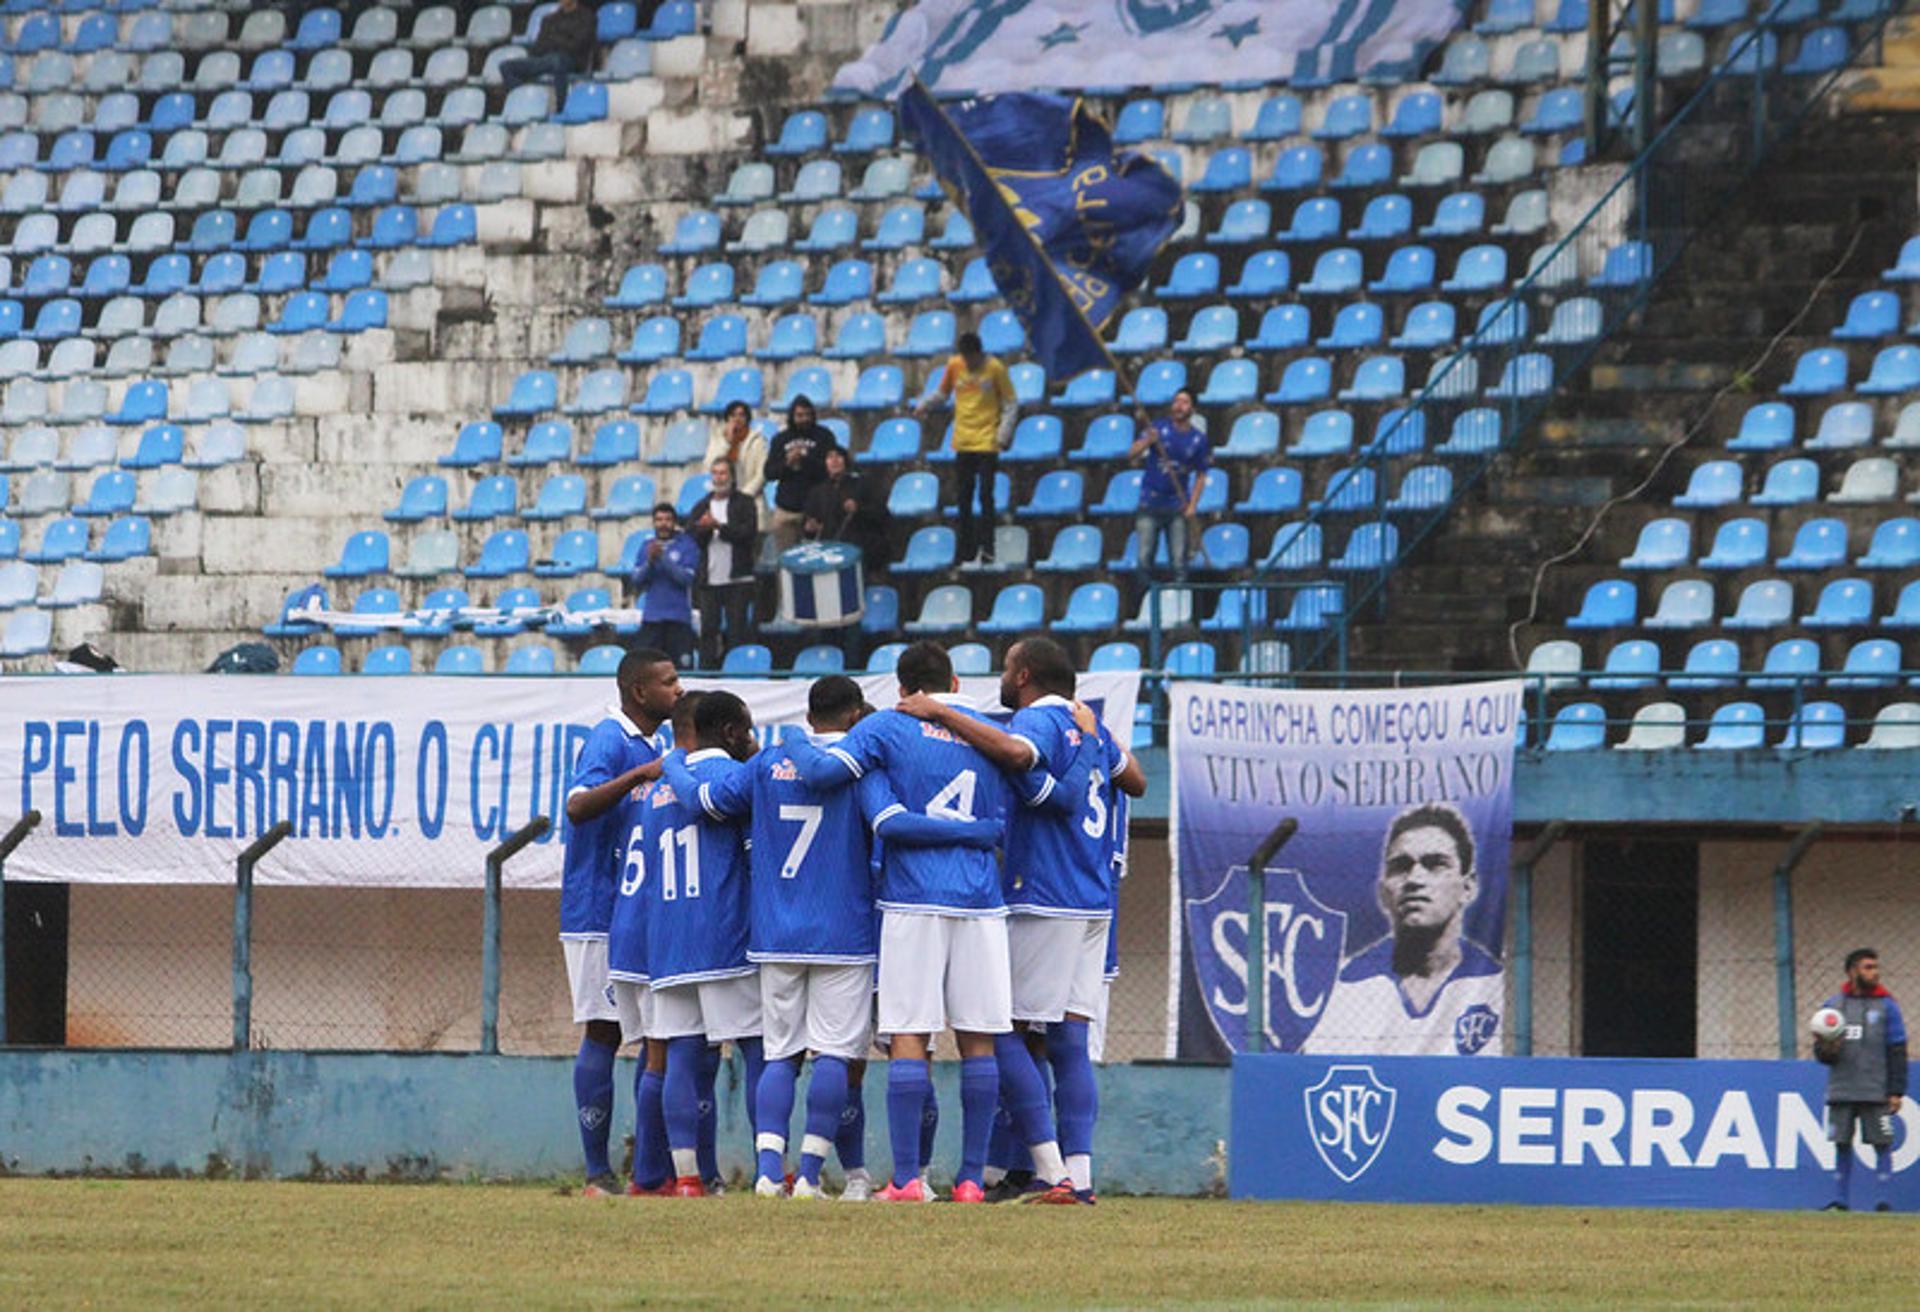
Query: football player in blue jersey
{"type": "Point", "coordinates": [627, 969]}
{"type": "Point", "coordinates": [943, 933]}
{"type": "Point", "coordinates": [703, 988]}
{"type": "Point", "coordinates": [610, 765]}
{"type": "Point", "coordinates": [1059, 892]}
{"type": "Point", "coordinates": [812, 926]}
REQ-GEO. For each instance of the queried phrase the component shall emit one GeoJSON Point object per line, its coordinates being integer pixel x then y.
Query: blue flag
{"type": "Point", "coordinates": [1069, 227]}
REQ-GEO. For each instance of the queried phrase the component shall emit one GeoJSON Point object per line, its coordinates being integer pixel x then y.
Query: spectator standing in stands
{"type": "Point", "coordinates": [664, 579]}
{"type": "Point", "coordinates": [1177, 455]}
{"type": "Point", "coordinates": [563, 47]}
{"type": "Point", "coordinates": [799, 461]}
{"type": "Point", "coordinates": [743, 447]}
{"type": "Point", "coordinates": [984, 408]}
{"type": "Point", "coordinates": [726, 524]}
{"type": "Point", "coordinates": [845, 507]}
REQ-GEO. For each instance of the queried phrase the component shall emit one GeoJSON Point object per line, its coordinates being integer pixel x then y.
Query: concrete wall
{"type": "Point", "coordinates": [437, 1116]}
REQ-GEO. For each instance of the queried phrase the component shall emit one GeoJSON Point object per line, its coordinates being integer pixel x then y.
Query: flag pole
{"type": "Point", "coordinates": [1120, 373]}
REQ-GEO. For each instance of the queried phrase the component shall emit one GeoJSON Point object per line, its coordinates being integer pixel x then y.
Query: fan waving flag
{"type": "Point", "coordinates": [1069, 226]}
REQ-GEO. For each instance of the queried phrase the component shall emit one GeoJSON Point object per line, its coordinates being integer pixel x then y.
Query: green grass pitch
{"type": "Point", "coordinates": [78, 1243]}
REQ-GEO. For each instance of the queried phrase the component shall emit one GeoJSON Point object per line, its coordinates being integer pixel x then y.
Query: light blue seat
{"type": "Point", "coordinates": [1275, 491]}
{"type": "Point", "coordinates": [505, 552]}
{"type": "Point", "coordinates": [1763, 604]}
{"type": "Point", "coordinates": [317, 660]}
{"type": "Point", "coordinates": [1346, 116]}
{"type": "Point", "coordinates": [696, 231]}
{"type": "Point", "coordinates": [1095, 387]}
{"type": "Point", "coordinates": [832, 229]}
{"type": "Point", "coordinates": [1386, 218]}
{"type": "Point", "coordinates": [710, 284]}
{"type": "Point", "coordinates": [1842, 603]}
{"type": "Point", "coordinates": [1297, 168]}
{"type": "Point", "coordinates": [929, 551]}
{"type": "Point", "coordinates": [803, 132]}
{"type": "Point", "coordinates": [817, 180]}
{"type": "Point", "coordinates": [791, 336]}
{"type": "Point", "coordinates": [946, 609]}
{"type": "Point", "coordinates": [846, 281]}
{"type": "Point", "coordinates": [1630, 664]}
{"type": "Point", "coordinates": [1366, 167]}
{"type": "Point", "coordinates": [894, 440]}
{"type": "Point", "coordinates": [1058, 493]}
{"type": "Point", "coordinates": [561, 496]}
{"type": "Point", "coordinates": [1231, 382]}
{"type": "Point", "coordinates": [1737, 544]}
{"type": "Point", "coordinates": [1895, 545]}
{"type": "Point", "coordinates": [575, 552]}
{"type": "Point", "coordinates": [902, 226]}
{"type": "Point", "coordinates": [1683, 604]}
{"type": "Point", "coordinates": [930, 334]}
{"type": "Point", "coordinates": [655, 338]}
{"type": "Point", "coordinates": [1208, 118]}
{"type": "Point", "coordinates": [1422, 488]}
{"type": "Point", "coordinates": [301, 313]}
{"type": "Point", "coordinates": [860, 335]}
{"type": "Point", "coordinates": [869, 130]}
{"type": "Point", "coordinates": [1277, 119]}
{"type": "Point", "coordinates": [363, 555]}
{"type": "Point", "coordinates": [1195, 274]}
{"type": "Point", "coordinates": [1017, 608]}
{"type": "Point", "coordinates": [1335, 273]}
{"type": "Point", "coordinates": [424, 497]}
{"type": "Point", "coordinates": [632, 496]}
{"type": "Point", "coordinates": [1458, 215]}
{"type": "Point", "coordinates": [1843, 425]}
{"type": "Point", "coordinates": [1870, 315]}
{"type": "Point", "coordinates": [1121, 499]}
{"type": "Point", "coordinates": [491, 497]}
{"type": "Point", "coordinates": [1895, 369]}
{"type": "Point", "coordinates": [586, 340]}
{"type": "Point", "coordinates": [1817, 725]}
{"type": "Point", "coordinates": [721, 338]}
{"type": "Point", "coordinates": [1248, 221]}
{"type": "Point", "coordinates": [1480, 268]}
{"type": "Point", "coordinates": [957, 235]}
{"type": "Point", "coordinates": [1076, 549]}
{"type": "Point", "coordinates": [640, 286]}
{"type": "Point", "coordinates": [884, 179]}
{"type": "Point", "coordinates": [1228, 169]}
{"type": "Point", "coordinates": [1409, 269]}
{"type": "Point", "coordinates": [389, 659]}
{"type": "Point", "coordinates": [1143, 329]}
{"type": "Point", "coordinates": [461, 659]}
{"type": "Point", "coordinates": [1525, 375]}
{"type": "Point", "coordinates": [1265, 274]}
{"type": "Point", "coordinates": [1735, 726]}
{"type": "Point", "coordinates": [1255, 436]}
{"type": "Point", "coordinates": [913, 496]}
{"type": "Point", "coordinates": [535, 391]}
{"type": "Point", "coordinates": [1819, 544]}
{"type": "Point", "coordinates": [746, 384]}
{"type": "Point", "coordinates": [1578, 727]}
{"type": "Point", "coordinates": [1429, 325]}
{"type": "Point", "coordinates": [476, 444]}
{"type": "Point", "coordinates": [668, 390]}
{"type": "Point", "coordinates": [1417, 114]}
{"type": "Point", "coordinates": [1312, 607]}
{"type": "Point", "coordinates": [1788, 483]}
{"type": "Point", "coordinates": [1107, 438]}
{"type": "Point", "coordinates": [879, 387]}
{"type": "Point", "coordinates": [1767, 426]}
{"type": "Point", "coordinates": [1715, 483]}
{"type": "Point", "coordinates": [615, 442]}
{"type": "Point", "coordinates": [1282, 328]}
{"type": "Point", "coordinates": [1138, 121]}
{"type": "Point", "coordinates": [1357, 325]}
{"type": "Point", "coordinates": [1156, 384]}
{"type": "Point", "coordinates": [1305, 381]}
{"type": "Point", "coordinates": [1710, 663]}
{"type": "Point", "coordinates": [1377, 378]}
{"type": "Point", "coordinates": [1503, 16]}
{"type": "Point", "coordinates": [1608, 604]}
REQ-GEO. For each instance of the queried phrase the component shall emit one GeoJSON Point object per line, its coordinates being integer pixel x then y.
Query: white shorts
{"type": "Point", "coordinates": [937, 971]}
{"type": "Point", "coordinates": [1057, 965]}
{"type": "Point", "coordinates": [587, 978]}
{"type": "Point", "coordinates": [635, 1004]}
{"type": "Point", "coordinates": [825, 1009]}
{"type": "Point", "coordinates": [1097, 1028]}
{"type": "Point", "coordinates": [718, 1008]}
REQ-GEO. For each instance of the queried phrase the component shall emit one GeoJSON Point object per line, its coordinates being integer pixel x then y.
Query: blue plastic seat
{"type": "Point", "coordinates": [1767, 426]}
{"type": "Point", "coordinates": [363, 555]}
{"type": "Point", "coordinates": [869, 130]}
{"type": "Point", "coordinates": [697, 230]}
{"type": "Point", "coordinates": [561, 496]}
{"type": "Point", "coordinates": [914, 496]}
{"type": "Point", "coordinates": [1232, 382]}
{"type": "Point", "coordinates": [476, 444]}
{"type": "Point", "coordinates": [1297, 168]}
{"type": "Point", "coordinates": [1275, 491]}
{"type": "Point", "coordinates": [1247, 221]}
{"type": "Point", "coordinates": [1057, 493]}
{"type": "Point", "coordinates": [1737, 544]}
{"type": "Point", "coordinates": [491, 497]}
{"type": "Point", "coordinates": [1715, 483]}
{"type": "Point", "coordinates": [632, 496]}
{"type": "Point", "coordinates": [929, 551]}
{"type": "Point", "coordinates": [710, 284]}
{"type": "Point", "coordinates": [1763, 604]}
{"type": "Point", "coordinates": [1822, 50]}
{"type": "Point", "coordinates": [1366, 167]}
{"type": "Point", "coordinates": [1336, 272]}
{"type": "Point", "coordinates": [1525, 375]}
{"type": "Point", "coordinates": [1017, 608]}
{"type": "Point", "coordinates": [424, 497]}
{"type": "Point", "coordinates": [879, 387]}
{"type": "Point", "coordinates": [1578, 727]}
{"type": "Point", "coordinates": [1121, 498]}
{"type": "Point", "coordinates": [1843, 603]}
{"type": "Point", "coordinates": [1107, 438]}
{"type": "Point", "coordinates": [1895, 369]}
{"type": "Point", "coordinates": [1788, 483]}
{"type": "Point", "coordinates": [1138, 121]}
{"type": "Point", "coordinates": [1735, 726]}
{"type": "Point", "coordinates": [505, 552]}
{"type": "Point", "coordinates": [1480, 268]}
{"type": "Point", "coordinates": [1282, 328]}
{"type": "Point", "coordinates": [668, 390]}
{"type": "Point", "coordinates": [1664, 544]}
{"type": "Point", "coordinates": [1843, 425]}
{"type": "Point", "coordinates": [1357, 325]}
{"type": "Point", "coordinates": [1819, 544]}
{"type": "Point", "coordinates": [1610, 603]}
{"type": "Point", "coordinates": [1818, 725]}
{"type": "Point", "coordinates": [1305, 381]}
{"type": "Point", "coordinates": [803, 133]}
{"type": "Point", "coordinates": [1195, 274]}
{"type": "Point", "coordinates": [946, 609]}
{"type": "Point", "coordinates": [1228, 169]}
{"type": "Point", "coordinates": [534, 392]}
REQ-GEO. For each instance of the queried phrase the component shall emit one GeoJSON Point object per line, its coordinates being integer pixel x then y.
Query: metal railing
{"type": "Point", "coordinates": [1597, 275]}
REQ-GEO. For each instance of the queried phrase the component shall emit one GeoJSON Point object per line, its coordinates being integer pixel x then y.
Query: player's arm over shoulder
{"type": "Point", "coordinates": [892, 822]}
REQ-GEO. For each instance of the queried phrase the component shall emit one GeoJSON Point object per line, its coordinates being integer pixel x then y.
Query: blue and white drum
{"type": "Point", "coordinates": [821, 585]}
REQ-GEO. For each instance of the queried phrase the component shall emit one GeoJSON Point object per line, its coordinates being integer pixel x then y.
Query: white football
{"type": "Point", "coordinates": [1826, 1023]}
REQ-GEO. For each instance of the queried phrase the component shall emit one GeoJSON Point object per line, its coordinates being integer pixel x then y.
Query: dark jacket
{"type": "Point", "coordinates": [1868, 1063]}
{"type": "Point", "coordinates": [573, 33]}
{"type": "Point", "coordinates": [812, 443]}
{"type": "Point", "coordinates": [741, 531]}
{"type": "Point", "coordinates": [865, 528]}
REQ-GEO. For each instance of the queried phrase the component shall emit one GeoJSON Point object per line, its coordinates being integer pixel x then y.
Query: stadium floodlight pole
{"type": "Point", "coordinates": [490, 930]}
{"type": "Point", "coordinates": [1523, 935]}
{"type": "Point", "coordinates": [243, 931]}
{"type": "Point", "coordinates": [1257, 929]}
{"type": "Point", "coordinates": [14, 837]}
{"type": "Point", "coordinates": [1783, 936]}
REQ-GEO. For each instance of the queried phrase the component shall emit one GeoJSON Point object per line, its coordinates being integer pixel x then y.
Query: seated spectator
{"type": "Point", "coordinates": [847, 507]}
{"type": "Point", "coordinates": [742, 446]}
{"type": "Point", "coordinates": [563, 47]}
{"type": "Point", "coordinates": [664, 579]}
{"type": "Point", "coordinates": [1177, 455]}
{"type": "Point", "coordinates": [799, 461]}
{"type": "Point", "coordinates": [726, 524]}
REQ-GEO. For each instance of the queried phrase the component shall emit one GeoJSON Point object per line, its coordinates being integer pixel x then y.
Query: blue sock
{"type": "Point", "coordinates": [593, 1103]}
{"type": "Point", "coordinates": [708, 1076]}
{"type": "Point", "coordinates": [652, 1162]}
{"type": "Point", "coordinates": [850, 1140]}
{"type": "Point", "coordinates": [1000, 1146]}
{"type": "Point", "coordinates": [929, 1121]}
{"type": "Point", "coordinates": [680, 1099]}
{"type": "Point", "coordinates": [979, 1091]}
{"type": "Point", "coordinates": [1022, 1091]}
{"type": "Point", "coordinates": [1075, 1092]}
{"type": "Point", "coordinates": [826, 1099]}
{"type": "Point", "coordinates": [908, 1087]}
{"type": "Point", "coordinates": [1842, 1171]}
{"type": "Point", "coordinates": [773, 1113]}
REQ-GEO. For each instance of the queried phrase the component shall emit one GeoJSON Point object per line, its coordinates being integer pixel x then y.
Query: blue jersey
{"type": "Point", "coordinates": [594, 847]}
{"type": "Point", "coordinates": [934, 773]}
{"type": "Point", "coordinates": [696, 912]}
{"type": "Point", "coordinates": [1060, 857]}
{"type": "Point", "coordinates": [811, 863]}
{"type": "Point", "coordinates": [627, 935]}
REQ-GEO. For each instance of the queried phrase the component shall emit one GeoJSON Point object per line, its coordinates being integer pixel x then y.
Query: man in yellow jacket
{"type": "Point", "coordinates": [983, 413]}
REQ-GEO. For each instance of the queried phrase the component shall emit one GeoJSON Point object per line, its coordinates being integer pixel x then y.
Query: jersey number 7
{"type": "Point", "coordinates": [808, 818]}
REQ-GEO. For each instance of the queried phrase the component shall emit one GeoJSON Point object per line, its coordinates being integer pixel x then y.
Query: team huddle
{"type": "Point", "coordinates": [880, 877]}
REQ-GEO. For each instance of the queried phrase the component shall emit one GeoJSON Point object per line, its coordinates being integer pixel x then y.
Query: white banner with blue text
{"type": "Point", "coordinates": [387, 782]}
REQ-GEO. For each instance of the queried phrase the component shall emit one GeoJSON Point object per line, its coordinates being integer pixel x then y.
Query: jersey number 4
{"type": "Point", "coordinates": [680, 878]}
{"type": "Point", "coordinates": [808, 818]}
{"type": "Point", "coordinates": [955, 801]}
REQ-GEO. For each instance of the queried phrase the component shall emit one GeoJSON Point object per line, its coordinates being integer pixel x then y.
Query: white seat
{"type": "Point", "coordinates": [1896, 727]}
{"type": "Point", "coordinates": [1658, 727]}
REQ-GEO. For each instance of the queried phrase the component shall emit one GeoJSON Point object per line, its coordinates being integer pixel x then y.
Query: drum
{"type": "Point", "coordinates": [821, 585]}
